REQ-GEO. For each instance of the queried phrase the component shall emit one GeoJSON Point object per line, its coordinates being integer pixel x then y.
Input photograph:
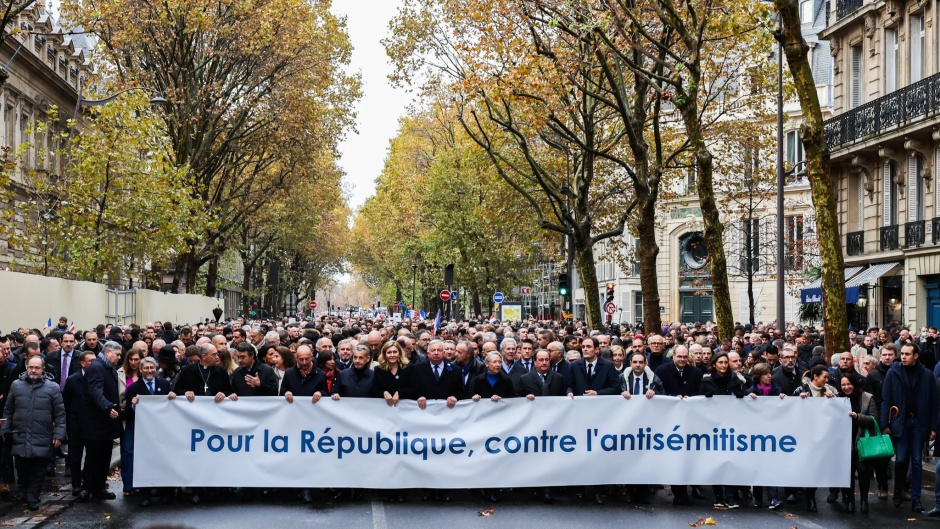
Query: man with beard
{"type": "Point", "coordinates": [34, 424]}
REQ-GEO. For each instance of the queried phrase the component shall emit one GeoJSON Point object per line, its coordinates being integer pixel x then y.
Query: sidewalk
{"type": "Point", "coordinates": [56, 497]}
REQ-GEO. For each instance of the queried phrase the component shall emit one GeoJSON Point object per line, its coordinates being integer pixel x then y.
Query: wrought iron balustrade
{"type": "Point", "coordinates": [855, 243]}
{"type": "Point", "coordinates": [895, 110]}
{"type": "Point", "coordinates": [914, 233]}
{"type": "Point", "coordinates": [845, 8]}
{"type": "Point", "coordinates": [889, 238]}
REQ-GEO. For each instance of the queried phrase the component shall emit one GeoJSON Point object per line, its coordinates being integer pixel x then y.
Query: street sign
{"type": "Point", "coordinates": [497, 297]}
{"type": "Point", "coordinates": [610, 308]}
{"type": "Point", "coordinates": [401, 304]}
{"type": "Point", "coordinates": [568, 315]}
{"type": "Point", "coordinates": [313, 304]}
{"type": "Point", "coordinates": [453, 295]}
{"type": "Point", "coordinates": [445, 295]}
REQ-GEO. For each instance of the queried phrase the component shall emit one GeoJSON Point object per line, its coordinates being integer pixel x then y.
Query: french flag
{"type": "Point", "coordinates": [437, 323]}
{"type": "Point", "coordinates": [49, 324]}
{"type": "Point", "coordinates": [72, 327]}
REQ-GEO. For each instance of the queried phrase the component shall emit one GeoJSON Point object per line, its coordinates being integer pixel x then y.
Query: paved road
{"type": "Point", "coordinates": [515, 509]}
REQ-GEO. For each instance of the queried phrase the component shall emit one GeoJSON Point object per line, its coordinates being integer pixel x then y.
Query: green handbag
{"type": "Point", "coordinates": [877, 446]}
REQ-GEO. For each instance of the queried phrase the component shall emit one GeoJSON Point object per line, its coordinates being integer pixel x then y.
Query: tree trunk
{"type": "Point", "coordinates": [584, 262]}
{"type": "Point", "coordinates": [212, 277]}
{"type": "Point", "coordinates": [248, 269]}
{"type": "Point", "coordinates": [192, 272]}
{"type": "Point", "coordinates": [713, 228]}
{"type": "Point", "coordinates": [835, 317]}
{"type": "Point", "coordinates": [648, 253]}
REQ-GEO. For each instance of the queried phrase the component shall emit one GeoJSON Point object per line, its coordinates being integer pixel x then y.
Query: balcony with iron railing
{"type": "Point", "coordinates": [855, 243]}
{"type": "Point", "coordinates": [914, 233]}
{"type": "Point", "coordinates": [889, 238]}
{"type": "Point", "coordinates": [891, 112]}
{"type": "Point", "coordinates": [845, 8]}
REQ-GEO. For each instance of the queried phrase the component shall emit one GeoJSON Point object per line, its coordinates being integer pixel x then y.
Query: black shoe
{"type": "Point", "coordinates": [547, 499]}
{"type": "Point", "coordinates": [76, 490]}
{"type": "Point", "coordinates": [697, 493]}
{"type": "Point", "coordinates": [598, 500]}
{"type": "Point", "coordinates": [811, 505]}
{"type": "Point", "coordinates": [934, 513]}
{"type": "Point", "coordinates": [195, 500]}
{"type": "Point", "coordinates": [104, 495]}
{"type": "Point", "coordinates": [916, 506]}
{"type": "Point", "coordinates": [758, 504]}
{"type": "Point", "coordinates": [33, 505]}
{"type": "Point", "coordinates": [863, 505]}
{"type": "Point", "coordinates": [896, 499]}
{"type": "Point", "coordinates": [791, 499]}
{"type": "Point", "coordinates": [50, 472]}
{"type": "Point", "coordinates": [832, 497]}
{"type": "Point", "coordinates": [850, 505]}
{"type": "Point", "coordinates": [84, 496]}
{"type": "Point", "coordinates": [307, 496]}
{"type": "Point", "coordinates": [679, 501]}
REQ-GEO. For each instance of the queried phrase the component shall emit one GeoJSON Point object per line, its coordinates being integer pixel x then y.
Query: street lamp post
{"type": "Point", "coordinates": [781, 305]}
{"type": "Point", "coordinates": [414, 285]}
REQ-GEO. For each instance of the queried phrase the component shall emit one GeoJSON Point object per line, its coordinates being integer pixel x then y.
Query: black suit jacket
{"type": "Point", "coordinates": [103, 397]}
{"type": "Point", "coordinates": [74, 396]}
{"type": "Point", "coordinates": [190, 379]}
{"type": "Point", "coordinates": [475, 369]}
{"type": "Point", "coordinates": [563, 369]}
{"type": "Point", "coordinates": [161, 386]}
{"type": "Point", "coordinates": [350, 383]}
{"type": "Point", "coordinates": [504, 387]}
{"type": "Point", "coordinates": [606, 379]}
{"type": "Point", "coordinates": [516, 372]}
{"type": "Point", "coordinates": [428, 386]}
{"type": "Point", "coordinates": [687, 386]}
{"type": "Point", "coordinates": [265, 373]}
{"type": "Point", "coordinates": [531, 384]}
{"type": "Point", "coordinates": [54, 361]}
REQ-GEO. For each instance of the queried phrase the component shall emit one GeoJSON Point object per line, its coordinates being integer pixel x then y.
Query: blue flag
{"type": "Point", "coordinates": [49, 324]}
{"type": "Point", "coordinates": [437, 323]}
{"type": "Point", "coordinates": [424, 315]}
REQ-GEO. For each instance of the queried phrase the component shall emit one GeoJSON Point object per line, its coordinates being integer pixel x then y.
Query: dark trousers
{"type": "Point", "coordinates": [865, 469]}
{"type": "Point", "coordinates": [97, 463]}
{"type": "Point", "coordinates": [76, 451]}
{"type": "Point", "coordinates": [31, 472]}
{"type": "Point", "coordinates": [6, 461]}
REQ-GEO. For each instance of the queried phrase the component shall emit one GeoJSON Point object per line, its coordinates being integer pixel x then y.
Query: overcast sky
{"type": "Point", "coordinates": [363, 154]}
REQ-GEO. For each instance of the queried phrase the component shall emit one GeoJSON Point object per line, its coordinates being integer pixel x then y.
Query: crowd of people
{"type": "Point", "coordinates": [60, 386]}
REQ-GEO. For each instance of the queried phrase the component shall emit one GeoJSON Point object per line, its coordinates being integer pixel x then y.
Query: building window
{"type": "Point", "coordinates": [806, 11]}
{"type": "Point", "coordinates": [794, 154]}
{"type": "Point", "coordinates": [855, 76]}
{"type": "Point", "coordinates": [794, 237]}
{"type": "Point", "coordinates": [637, 306]}
{"type": "Point", "coordinates": [915, 196]}
{"type": "Point", "coordinates": [917, 48]}
{"type": "Point", "coordinates": [891, 60]}
{"type": "Point", "coordinates": [750, 246]}
{"type": "Point", "coordinates": [63, 65]}
{"type": "Point", "coordinates": [890, 194]}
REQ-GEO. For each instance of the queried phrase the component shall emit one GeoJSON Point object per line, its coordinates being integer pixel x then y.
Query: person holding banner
{"type": "Point", "coordinates": [393, 379]}
{"type": "Point", "coordinates": [815, 384]}
{"type": "Point", "coordinates": [765, 386]}
{"type": "Point", "coordinates": [436, 379]}
{"type": "Point", "coordinates": [864, 414]}
{"type": "Point", "coordinates": [720, 380]}
{"type": "Point", "coordinates": [494, 384]}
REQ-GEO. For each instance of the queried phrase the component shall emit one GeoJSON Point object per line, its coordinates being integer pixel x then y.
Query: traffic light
{"type": "Point", "coordinates": [610, 292]}
{"type": "Point", "coordinates": [563, 288]}
{"type": "Point", "coordinates": [449, 274]}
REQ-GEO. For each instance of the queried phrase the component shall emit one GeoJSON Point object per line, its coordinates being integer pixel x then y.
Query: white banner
{"type": "Point", "coordinates": [266, 442]}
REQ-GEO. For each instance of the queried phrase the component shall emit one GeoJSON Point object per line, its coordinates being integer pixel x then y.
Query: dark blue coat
{"type": "Point", "coordinates": [894, 394]}
{"type": "Point", "coordinates": [688, 386]}
{"type": "Point", "coordinates": [606, 380]}
{"type": "Point", "coordinates": [103, 397]}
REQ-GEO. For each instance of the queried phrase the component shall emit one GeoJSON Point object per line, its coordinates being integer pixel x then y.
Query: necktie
{"type": "Point", "coordinates": [555, 368]}
{"type": "Point", "coordinates": [65, 369]}
{"type": "Point", "coordinates": [150, 386]}
{"type": "Point", "coordinates": [527, 364]}
{"type": "Point", "coordinates": [437, 372]}
{"type": "Point", "coordinates": [636, 385]}
{"type": "Point", "coordinates": [590, 371]}
{"type": "Point", "coordinates": [544, 385]}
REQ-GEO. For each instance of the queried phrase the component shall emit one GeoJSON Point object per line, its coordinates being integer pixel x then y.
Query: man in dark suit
{"type": "Point", "coordinates": [469, 366]}
{"type": "Point", "coordinates": [102, 424]}
{"type": "Point", "coordinates": [593, 375]}
{"type": "Point", "coordinates": [559, 364]}
{"type": "Point", "coordinates": [680, 380]}
{"type": "Point", "coordinates": [204, 378]}
{"type": "Point", "coordinates": [252, 378]}
{"type": "Point", "coordinates": [74, 396]}
{"type": "Point", "coordinates": [436, 379]}
{"type": "Point", "coordinates": [511, 365]}
{"type": "Point", "coordinates": [542, 381]}
{"type": "Point", "coordinates": [148, 384]}
{"type": "Point", "coordinates": [64, 361]}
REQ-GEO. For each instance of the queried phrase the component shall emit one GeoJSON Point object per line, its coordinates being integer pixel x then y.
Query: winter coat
{"type": "Point", "coordinates": [34, 415]}
{"type": "Point", "coordinates": [894, 394]}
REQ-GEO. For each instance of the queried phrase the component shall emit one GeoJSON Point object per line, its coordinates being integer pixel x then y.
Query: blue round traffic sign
{"type": "Point", "coordinates": [497, 297]}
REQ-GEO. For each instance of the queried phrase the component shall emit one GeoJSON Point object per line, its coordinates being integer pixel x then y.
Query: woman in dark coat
{"type": "Point", "coordinates": [864, 414]}
{"type": "Point", "coordinates": [720, 380]}
{"type": "Point", "coordinates": [494, 384]}
{"type": "Point", "coordinates": [393, 379]}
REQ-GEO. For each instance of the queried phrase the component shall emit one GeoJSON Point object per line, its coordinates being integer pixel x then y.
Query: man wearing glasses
{"type": "Point", "coordinates": [657, 356]}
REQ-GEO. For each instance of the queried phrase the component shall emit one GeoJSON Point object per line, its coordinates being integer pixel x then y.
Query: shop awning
{"type": "Point", "coordinates": [872, 274]}
{"type": "Point", "coordinates": [812, 293]}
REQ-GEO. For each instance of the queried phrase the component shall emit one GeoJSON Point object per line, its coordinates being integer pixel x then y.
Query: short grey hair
{"type": "Point", "coordinates": [112, 346]}
{"type": "Point", "coordinates": [491, 355]}
{"type": "Point", "coordinates": [148, 360]}
{"type": "Point", "coordinates": [505, 341]}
